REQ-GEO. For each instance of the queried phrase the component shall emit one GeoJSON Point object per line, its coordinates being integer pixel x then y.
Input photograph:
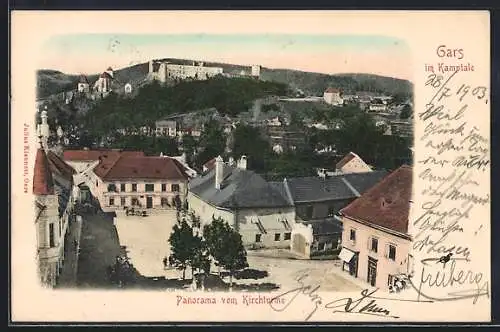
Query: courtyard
{"type": "Point", "coordinates": [145, 240]}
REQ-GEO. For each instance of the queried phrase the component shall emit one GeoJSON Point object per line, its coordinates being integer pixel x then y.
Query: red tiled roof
{"type": "Point", "coordinates": [57, 165]}
{"type": "Point", "coordinates": [347, 158]}
{"type": "Point", "coordinates": [86, 155]}
{"type": "Point", "coordinates": [332, 90]}
{"type": "Point", "coordinates": [42, 177]}
{"type": "Point", "coordinates": [140, 167]}
{"type": "Point", "coordinates": [386, 204]}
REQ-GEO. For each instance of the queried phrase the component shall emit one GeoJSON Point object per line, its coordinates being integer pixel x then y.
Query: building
{"type": "Point", "coordinates": [54, 203]}
{"type": "Point", "coordinates": [153, 183]}
{"type": "Point", "coordinates": [317, 202]}
{"type": "Point", "coordinates": [83, 84]}
{"type": "Point", "coordinates": [262, 213]}
{"type": "Point", "coordinates": [163, 71]}
{"type": "Point", "coordinates": [377, 105]}
{"type": "Point", "coordinates": [103, 83]}
{"type": "Point", "coordinates": [287, 137]}
{"type": "Point", "coordinates": [352, 163]}
{"type": "Point", "coordinates": [375, 240]}
{"type": "Point", "coordinates": [333, 96]}
{"type": "Point", "coordinates": [402, 128]}
{"type": "Point", "coordinates": [256, 71]}
{"type": "Point", "coordinates": [166, 128]}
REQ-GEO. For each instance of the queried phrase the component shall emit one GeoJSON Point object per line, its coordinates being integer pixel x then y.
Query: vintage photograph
{"type": "Point", "coordinates": [251, 166]}
{"type": "Point", "coordinates": [223, 162]}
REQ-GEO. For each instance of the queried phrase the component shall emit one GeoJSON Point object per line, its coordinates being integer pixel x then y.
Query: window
{"type": "Point", "coordinates": [321, 246]}
{"type": "Point", "coordinates": [111, 201]}
{"type": "Point", "coordinates": [111, 187]}
{"type": "Point", "coordinates": [258, 237]}
{"type": "Point", "coordinates": [97, 183]}
{"type": "Point", "coordinates": [392, 252]}
{"type": "Point", "coordinates": [374, 245]}
{"type": "Point", "coordinates": [277, 236]}
{"type": "Point", "coordinates": [134, 186]}
{"type": "Point", "coordinates": [122, 187]}
{"type": "Point", "coordinates": [309, 211]}
{"type": "Point", "coordinates": [52, 240]}
{"type": "Point", "coordinates": [331, 211]}
{"type": "Point", "coordinates": [288, 236]}
{"type": "Point", "coordinates": [352, 235]}
{"type": "Point", "coordinates": [134, 201]}
{"type": "Point", "coordinates": [163, 187]}
{"type": "Point", "coordinates": [175, 187]}
{"type": "Point", "coordinates": [122, 201]}
{"type": "Point", "coordinates": [150, 187]}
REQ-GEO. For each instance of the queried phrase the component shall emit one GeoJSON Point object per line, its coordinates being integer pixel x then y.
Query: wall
{"type": "Point", "coordinates": [302, 239]}
{"type": "Point", "coordinates": [141, 193]}
{"type": "Point", "coordinates": [385, 266]}
{"type": "Point", "coordinates": [271, 221]}
{"type": "Point", "coordinates": [205, 211]}
{"type": "Point", "coordinates": [320, 209]}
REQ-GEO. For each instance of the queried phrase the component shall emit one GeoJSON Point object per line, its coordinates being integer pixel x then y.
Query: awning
{"type": "Point", "coordinates": [346, 255]}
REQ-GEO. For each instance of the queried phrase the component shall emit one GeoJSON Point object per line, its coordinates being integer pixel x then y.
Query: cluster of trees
{"type": "Point", "coordinates": [216, 243]}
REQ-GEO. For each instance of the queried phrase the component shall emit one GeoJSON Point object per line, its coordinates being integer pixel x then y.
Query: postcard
{"type": "Point", "coordinates": [243, 166]}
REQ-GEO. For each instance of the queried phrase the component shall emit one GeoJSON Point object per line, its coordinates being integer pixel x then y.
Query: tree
{"type": "Point", "coordinates": [212, 142]}
{"type": "Point", "coordinates": [225, 246]}
{"type": "Point", "coordinates": [182, 242]}
{"type": "Point", "coordinates": [248, 141]}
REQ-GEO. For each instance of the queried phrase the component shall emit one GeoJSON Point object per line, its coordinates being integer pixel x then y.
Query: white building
{"type": "Point", "coordinates": [333, 96]}
{"type": "Point", "coordinates": [83, 84]}
{"type": "Point", "coordinates": [103, 83]}
{"type": "Point", "coordinates": [163, 71]}
{"type": "Point", "coordinates": [352, 163]}
{"type": "Point", "coordinates": [262, 213]}
{"type": "Point", "coordinates": [375, 239]}
{"type": "Point", "coordinates": [256, 71]}
{"type": "Point", "coordinates": [166, 128]}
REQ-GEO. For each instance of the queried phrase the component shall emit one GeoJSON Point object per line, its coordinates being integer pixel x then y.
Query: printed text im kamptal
{"type": "Point", "coordinates": [444, 68]}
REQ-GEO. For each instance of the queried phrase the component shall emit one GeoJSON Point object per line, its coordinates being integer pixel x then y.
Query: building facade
{"type": "Point", "coordinates": [259, 211]}
{"type": "Point", "coordinates": [375, 239]}
{"type": "Point", "coordinates": [149, 183]}
{"type": "Point", "coordinates": [333, 96]}
{"type": "Point", "coordinates": [54, 203]}
{"type": "Point", "coordinates": [163, 71]}
{"type": "Point", "coordinates": [166, 128]}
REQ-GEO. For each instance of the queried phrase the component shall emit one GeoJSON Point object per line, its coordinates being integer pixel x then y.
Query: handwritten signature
{"type": "Point", "coordinates": [365, 304]}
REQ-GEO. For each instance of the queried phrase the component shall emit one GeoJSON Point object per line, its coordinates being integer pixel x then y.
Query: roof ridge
{"type": "Point", "coordinates": [350, 186]}
{"type": "Point", "coordinates": [108, 169]}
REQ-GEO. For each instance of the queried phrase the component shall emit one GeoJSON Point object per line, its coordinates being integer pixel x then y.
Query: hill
{"type": "Point", "coordinates": [52, 82]}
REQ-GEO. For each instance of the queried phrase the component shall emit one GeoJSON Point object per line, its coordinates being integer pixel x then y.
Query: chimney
{"type": "Point", "coordinates": [242, 163]}
{"type": "Point", "coordinates": [219, 171]}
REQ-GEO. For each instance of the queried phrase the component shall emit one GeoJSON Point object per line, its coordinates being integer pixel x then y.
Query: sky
{"type": "Point", "coordinates": [329, 54]}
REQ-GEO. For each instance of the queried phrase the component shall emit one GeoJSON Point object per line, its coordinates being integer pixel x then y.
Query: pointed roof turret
{"type": "Point", "coordinates": [42, 177]}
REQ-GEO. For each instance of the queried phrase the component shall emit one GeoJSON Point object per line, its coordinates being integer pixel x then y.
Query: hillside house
{"type": "Point", "coordinates": [333, 96]}
{"type": "Point", "coordinates": [166, 128]}
{"type": "Point", "coordinates": [83, 84]}
{"type": "Point", "coordinates": [262, 213]}
{"type": "Point", "coordinates": [375, 239]}
{"type": "Point", "coordinates": [352, 163]}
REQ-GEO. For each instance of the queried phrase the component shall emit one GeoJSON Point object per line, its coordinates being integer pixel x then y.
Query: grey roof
{"type": "Point", "coordinates": [337, 187]}
{"type": "Point", "coordinates": [325, 227]}
{"type": "Point", "coordinates": [240, 189]}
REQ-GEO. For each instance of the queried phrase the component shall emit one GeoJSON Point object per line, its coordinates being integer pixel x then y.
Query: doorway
{"type": "Point", "coordinates": [149, 202]}
{"type": "Point", "coordinates": [372, 271]}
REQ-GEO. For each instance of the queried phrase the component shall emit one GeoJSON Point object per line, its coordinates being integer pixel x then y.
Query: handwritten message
{"type": "Point", "coordinates": [451, 164]}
